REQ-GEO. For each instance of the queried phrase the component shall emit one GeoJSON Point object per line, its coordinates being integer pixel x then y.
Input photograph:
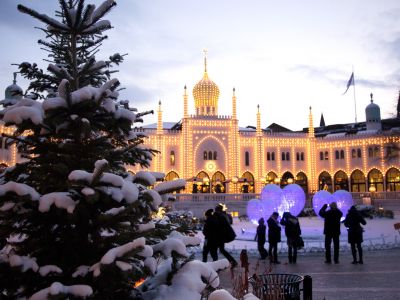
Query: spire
{"type": "Point", "coordinates": [205, 61]}
{"type": "Point", "coordinates": [258, 129]}
{"type": "Point", "coordinates": [310, 124]}
{"type": "Point", "coordinates": [159, 119]}
{"type": "Point", "coordinates": [322, 121]}
{"type": "Point", "coordinates": [398, 107]}
{"type": "Point", "coordinates": [15, 78]}
{"type": "Point", "coordinates": [185, 102]}
{"type": "Point", "coordinates": [234, 104]}
{"type": "Point", "coordinates": [372, 97]}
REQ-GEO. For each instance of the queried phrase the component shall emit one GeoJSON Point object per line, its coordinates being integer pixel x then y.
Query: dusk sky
{"type": "Point", "coordinates": [283, 55]}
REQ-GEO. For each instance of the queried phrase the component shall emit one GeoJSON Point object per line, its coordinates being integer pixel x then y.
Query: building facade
{"type": "Point", "coordinates": [215, 155]}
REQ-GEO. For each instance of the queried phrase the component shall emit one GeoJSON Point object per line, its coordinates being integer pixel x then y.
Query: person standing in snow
{"type": "Point", "coordinates": [210, 236]}
{"type": "Point", "coordinates": [353, 222]}
{"type": "Point", "coordinates": [292, 232]}
{"type": "Point", "coordinates": [224, 232]}
{"type": "Point", "coordinates": [260, 238]}
{"type": "Point", "coordinates": [331, 230]}
{"type": "Point", "coordinates": [274, 237]}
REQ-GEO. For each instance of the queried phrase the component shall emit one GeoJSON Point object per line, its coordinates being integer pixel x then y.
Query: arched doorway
{"type": "Point", "coordinates": [270, 178]}
{"type": "Point", "coordinates": [375, 179]}
{"type": "Point", "coordinates": [218, 182]}
{"type": "Point", "coordinates": [203, 183]}
{"type": "Point", "coordinates": [393, 180]}
{"type": "Point", "coordinates": [325, 182]}
{"type": "Point", "coordinates": [301, 180]}
{"type": "Point", "coordinates": [171, 176]}
{"type": "Point", "coordinates": [341, 181]}
{"type": "Point", "coordinates": [247, 183]}
{"type": "Point", "coordinates": [357, 182]}
{"type": "Point", "coordinates": [287, 178]}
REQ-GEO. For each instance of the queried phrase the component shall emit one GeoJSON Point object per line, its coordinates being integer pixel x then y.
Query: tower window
{"type": "Point", "coordinates": [215, 155]}
{"type": "Point", "coordinates": [341, 154]}
{"type": "Point", "coordinates": [172, 158]}
{"type": "Point", "coordinates": [205, 155]}
{"type": "Point", "coordinates": [210, 155]}
{"type": "Point", "coordinates": [321, 155]}
{"type": "Point", "coordinates": [326, 155]}
{"type": "Point", "coordinates": [287, 156]}
{"type": "Point", "coordinates": [247, 158]}
{"type": "Point", "coordinates": [283, 156]}
{"type": "Point", "coordinates": [273, 156]}
{"type": "Point", "coordinates": [268, 156]}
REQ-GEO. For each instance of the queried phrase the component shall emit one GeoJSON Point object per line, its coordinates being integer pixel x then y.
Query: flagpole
{"type": "Point", "coordinates": [354, 95]}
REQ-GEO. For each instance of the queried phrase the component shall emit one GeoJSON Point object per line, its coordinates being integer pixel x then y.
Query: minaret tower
{"type": "Point", "coordinates": [311, 155]}
{"type": "Point", "coordinates": [310, 124]}
{"type": "Point", "coordinates": [234, 105]}
{"type": "Point", "coordinates": [159, 119]}
{"type": "Point", "coordinates": [185, 103]}
{"type": "Point", "coordinates": [258, 130]}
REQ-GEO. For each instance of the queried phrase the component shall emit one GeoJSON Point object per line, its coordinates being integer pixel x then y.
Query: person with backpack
{"type": "Point", "coordinates": [274, 237]}
{"type": "Point", "coordinates": [353, 222]}
{"type": "Point", "coordinates": [292, 232]}
{"type": "Point", "coordinates": [225, 233]}
{"type": "Point", "coordinates": [210, 236]}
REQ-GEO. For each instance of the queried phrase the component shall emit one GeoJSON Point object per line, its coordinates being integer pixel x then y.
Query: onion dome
{"type": "Point", "coordinates": [373, 116]}
{"type": "Point", "coordinates": [206, 94]}
{"type": "Point", "coordinates": [13, 93]}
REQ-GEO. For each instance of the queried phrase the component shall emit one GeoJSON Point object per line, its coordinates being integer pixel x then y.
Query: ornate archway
{"type": "Point", "coordinates": [341, 181]}
{"type": "Point", "coordinates": [171, 176]}
{"type": "Point", "coordinates": [357, 182]}
{"type": "Point", "coordinates": [393, 180]}
{"type": "Point", "coordinates": [375, 179]}
{"type": "Point", "coordinates": [301, 180]}
{"type": "Point", "coordinates": [247, 183]}
{"type": "Point", "coordinates": [202, 183]}
{"type": "Point", "coordinates": [218, 184]}
{"type": "Point", "coordinates": [287, 178]}
{"type": "Point", "coordinates": [325, 181]}
{"type": "Point", "coordinates": [270, 178]}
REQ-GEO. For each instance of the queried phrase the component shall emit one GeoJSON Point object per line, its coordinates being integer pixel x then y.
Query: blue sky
{"type": "Point", "coordinates": [283, 55]}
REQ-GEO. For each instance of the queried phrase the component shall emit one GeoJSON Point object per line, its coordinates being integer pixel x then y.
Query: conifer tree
{"type": "Point", "coordinates": [73, 222]}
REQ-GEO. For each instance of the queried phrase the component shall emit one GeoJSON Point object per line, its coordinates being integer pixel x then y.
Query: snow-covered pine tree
{"type": "Point", "coordinates": [73, 222]}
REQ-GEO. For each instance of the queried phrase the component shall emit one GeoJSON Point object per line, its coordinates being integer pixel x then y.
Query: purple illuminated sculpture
{"type": "Point", "coordinates": [271, 199]}
{"type": "Point", "coordinates": [293, 200]}
{"type": "Point", "coordinates": [344, 201]}
{"type": "Point", "coordinates": [254, 210]}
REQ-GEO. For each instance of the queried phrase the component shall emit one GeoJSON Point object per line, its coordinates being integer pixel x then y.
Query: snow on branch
{"type": "Point", "coordinates": [144, 177]}
{"type": "Point", "coordinates": [56, 288]}
{"type": "Point", "coordinates": [45, 270]}
{"type": "Point", "coordinates": [170, 186]}
{"type": "Point", "coordinates": [24, 262]}
{"type": "Point", "coordinates": [24, 110]}
{"type": "Point", "coordinates": [102, 10]}
{"type": "Point", "coordinates": [59, 199]}
{"type": "Point", "coordinates": [20, 189]}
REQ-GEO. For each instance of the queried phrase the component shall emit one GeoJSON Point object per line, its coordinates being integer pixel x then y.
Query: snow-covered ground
{"type": "Point", "coordinates": [379, 233]}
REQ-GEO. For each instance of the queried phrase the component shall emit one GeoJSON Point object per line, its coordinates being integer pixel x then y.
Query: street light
{"type": "Point", "coordinates": [290, 180]}
{"type": "Point", "coordinates": [277, 180]}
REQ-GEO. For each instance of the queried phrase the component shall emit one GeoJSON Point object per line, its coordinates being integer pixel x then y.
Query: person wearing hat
{"type": "Point", "coordinates": [331, 230]}
{"type": "Point", "coordinates": [274, 237]}
{"type": "Point", "coordinates": [353, 222]}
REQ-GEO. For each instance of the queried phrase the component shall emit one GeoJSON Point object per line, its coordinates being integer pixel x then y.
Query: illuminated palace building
{"type": "Point", "coordinates": [215, 155]}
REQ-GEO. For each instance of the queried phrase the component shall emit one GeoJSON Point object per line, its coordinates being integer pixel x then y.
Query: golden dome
{"type": "Point", "coordinates": [206, 94]}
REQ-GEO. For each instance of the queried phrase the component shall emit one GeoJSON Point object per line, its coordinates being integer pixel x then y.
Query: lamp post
{"type": "Point", "coordinates": [290, 180]}
{"type": "Point", "coordinates": [235, 180]}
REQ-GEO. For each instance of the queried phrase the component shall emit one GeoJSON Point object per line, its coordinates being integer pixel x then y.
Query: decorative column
{"type": "Point", "coordinates": [311, 154]}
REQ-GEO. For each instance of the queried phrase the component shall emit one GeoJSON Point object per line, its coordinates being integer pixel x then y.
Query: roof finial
{"type": "Point", "coordinates": [372, 96]}
{"type": "Point", "coordinates": [205, 60]}
{"type": "Point", "coordinates": [15, 77]}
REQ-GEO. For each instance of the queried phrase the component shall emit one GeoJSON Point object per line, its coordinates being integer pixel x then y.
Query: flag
{"type": "Point", "coordinates": [349, 83]}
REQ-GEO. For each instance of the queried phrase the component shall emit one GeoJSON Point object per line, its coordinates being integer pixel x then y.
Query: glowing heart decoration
{"type": "Point", "coordinates": [320, 198]}
{"type": "Point", "coordinates": [255, 210]}
{"type": "Point", "coordinates": [293, 200]}
{"type": "Point", "coordinates": [344, 201]}
{"type": "Point", "coordinates": [271, 199]}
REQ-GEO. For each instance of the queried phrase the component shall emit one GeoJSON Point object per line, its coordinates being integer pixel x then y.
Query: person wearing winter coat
{"type": "Point", "coordinates": [210, 236]}
{"type": "Point", "coordinates": [274, 237]}
{"type": "Point", "coordinates": [224, 228]}
{"type": "Point", "coordinates": [353, 222]}
{"type": "Point", "coordinates": [331, 230]}
{"type": "Point", "coordinates": [261, 238]}
{"type": "Point", "coordinates": [292, 232]}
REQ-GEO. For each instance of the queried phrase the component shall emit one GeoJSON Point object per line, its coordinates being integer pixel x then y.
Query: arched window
{"type": "Point", "coordinates": [376, 152]}
{"type": "Point", "coordinates": [205, 155]}
{"type": "Point", "coordinates": [370, 152]}
{"type": "Point", "coordinates": [172, 158]}
{"type": "Point", "coordinates": [353, 153]}
{"type": "Point", "coordinates": [375, 178]}
{"type": "Point", "coordinates": [215, 155]}
{"type": "Point", "coordinates": [302, 156]}
{"type": "Point", "coordinates": [268, 156]}
{"type": "Point", "coordinates": [341, 181]}
{"type": "Point", "coordinates": [321, 155]}
{"type": "Point", "coordinates": [287, 156]}
{"type": "Point", "coordinates": [209, 155]}
{"type": "Point", "coordinates": [325, 181]}
{"type": "Point", "coordinates": [247, 158]}
{"type": "Point", "coordinates": [273, 156]}
{"type": "Point", "coordinates": [297, 156]}
{"type": "Point", "coordinates": [326, 155]}
{"type": "Point", "coordinates": [393, 180]}
{"type": "Point", "coordinates": [283, 156]}
{"type": "Point", "coordinates": [341, 154]}
{"type": "Point", "coordinates": [359, 153]}
{"type": "Point", "coordinates": [336, 154]}
{"type": "Point", "coordinates": [357, 182]}
{"type": "Point", "coordinates": [171, 176]}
